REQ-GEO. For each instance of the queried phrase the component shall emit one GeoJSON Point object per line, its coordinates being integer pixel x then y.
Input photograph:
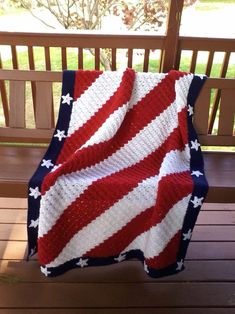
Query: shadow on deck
{"type": "Point", "coordinates": [206, 286]}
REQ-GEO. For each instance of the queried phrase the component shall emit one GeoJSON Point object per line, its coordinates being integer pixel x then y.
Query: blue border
{"type": "Point", "coordinates": [52, 154]}
{"type": "Point", "coordinates": [199, 191]}
{"type": "Point", "coordinates": [196, 164]}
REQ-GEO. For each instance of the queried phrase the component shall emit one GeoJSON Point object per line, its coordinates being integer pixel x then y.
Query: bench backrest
{"type": "Point", "coordinates": [44, 114]}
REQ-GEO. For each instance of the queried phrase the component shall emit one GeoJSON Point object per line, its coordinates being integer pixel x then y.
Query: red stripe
{"type": "Point", "coordinates": [168, 256]}
{"type": "Point", "coordinates": [85, 209]}
{"type": "Point", "coordinates": [147, 219]}
{"type": "Point", "coordinates": [156, 101]}
{"type": "Point", "coordinates": [120, 97]}
{"type": "Point", "coordinates": [83, 80]}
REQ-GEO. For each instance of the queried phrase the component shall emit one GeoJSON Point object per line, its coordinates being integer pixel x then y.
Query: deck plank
{"type": "Point", "coordinates": [207, 285]}
{"type": "Point", "coordinates": [21, 203]}
{"type": "Point", "coordinates": [18, 232]}
{"type": "Point", "coordinates": [129, 271]}
{"type": "Point", "coordinates": [204, 218]}
{"type": "Point", "coordinates": [122, 311]}
{"type": "Point", "coordinates": [16, 250]}
{"type": "Point", "coordinates": [117, 295]}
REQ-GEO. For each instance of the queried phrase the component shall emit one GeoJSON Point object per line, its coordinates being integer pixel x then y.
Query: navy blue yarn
{"type": "Point", "coordinates": [51, 153]}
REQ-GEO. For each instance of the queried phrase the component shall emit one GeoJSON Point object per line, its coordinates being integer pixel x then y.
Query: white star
{"type": "Point", "coordinates": [201, 76]}
{"type": "Point", "coordinates": [146, 268]}
{"type": "Point", "coordinates": [47, 163]}
{"type": "Point", "coordinates": [66, 99]}
{"type": "Point", "coordinates": [196, 173]}
{"type": "Point", "coordinates": [32, 251]}
{"type": "Point", "coordinates": [188, 235]}
{"type": "Point", "coordinates": [120, 258]}
{"type": "Point", "coordinates": [45, 271]}
{"type": "Point", "coordinates": [190, 110]}
{"type": "Point", "coordinates": [33, 223]}
{"type": "Point", "coordinates": [60, 135]}
{"type": "Point", "coordinates": [82, 262]}
{"type": "Point", "coordinates": [180, 265]}
{"type": "Point", "coordinates": [195, 145]}
{"type": "Point", "coordinates": [34, 192]}
{"type": "Point", "coordinates": [197, 201]}
{"type": "Point", "coordinates": [55, 167]}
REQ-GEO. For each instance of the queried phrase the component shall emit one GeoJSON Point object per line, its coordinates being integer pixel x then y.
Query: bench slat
{"type": "Point", "coordinates": [202, 111]}
{"type": "Point", "coordinates": [43, 105]}
{"type": "Point", "coordinates": [227, 111]}
{"type": "Point", "coordinates": [17, 104]}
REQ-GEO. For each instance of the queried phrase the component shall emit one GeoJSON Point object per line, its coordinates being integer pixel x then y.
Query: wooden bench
{"type": "Point", "coordinates": [17, 163]}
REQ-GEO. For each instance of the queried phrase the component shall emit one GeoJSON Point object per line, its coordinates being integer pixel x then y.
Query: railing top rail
{"type": "Point", "coordinates": [58, 37]}
{"type": "Point", "coordinates": [84, 39]}
{"type": "Point", "coordinates": [204, 43]}
{"type": "Point", "coordinates": [30, 75]}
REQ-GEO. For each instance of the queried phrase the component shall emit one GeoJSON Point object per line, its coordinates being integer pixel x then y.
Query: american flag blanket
{"type": "Point", "coordinates": [123, 175]}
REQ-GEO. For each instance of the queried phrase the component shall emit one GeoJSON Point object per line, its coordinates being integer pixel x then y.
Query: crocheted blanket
{"type": "Point", "coordinates": [123, 176]}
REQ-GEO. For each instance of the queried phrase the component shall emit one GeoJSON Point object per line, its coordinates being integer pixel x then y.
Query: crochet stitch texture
{"type": "Point", "coordinates": [123, 176]}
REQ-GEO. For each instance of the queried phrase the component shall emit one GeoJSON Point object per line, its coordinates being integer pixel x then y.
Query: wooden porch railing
{"type": "Point", "coordinates": [122, 49]}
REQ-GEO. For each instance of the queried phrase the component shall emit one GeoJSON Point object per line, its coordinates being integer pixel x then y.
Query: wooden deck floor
{"type": "Point", "coordinates": [206, 286]}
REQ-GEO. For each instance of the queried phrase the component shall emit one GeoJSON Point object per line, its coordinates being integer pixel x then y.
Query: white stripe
{"type": "Point", "coordinates": [109, 127]}
{"type": "Point", "coordinates": [153, 241]}
{"type": "Point", "coordinates": [142, 197]}
{"type": "Point", "coordinates": [118, 215]}
{"type": "Point", "coordinates": [68, 187]}
{"type": "Point", "coordinates": [93, 99]}
{"type": "Point", "coordinates": [143, 84]}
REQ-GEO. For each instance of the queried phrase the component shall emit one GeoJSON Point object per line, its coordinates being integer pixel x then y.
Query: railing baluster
{"type": "Point", "coordinates": [97, 58]}
{"type": "Point", "coordinates": [209, 63]}
{"type": "Point", "coordinates": [225, 64]}
{"type": "Point", "coordinates": [64, 58]}
{"type": "Point", "coordinates": [80, 58]}
{"type": "Point", "coordinates": [14, 57]}
{"type": "Point", "coordinates": [177, 59]}
{"type": "Point", "coordinates": [47, 58]}
{"type": "Point", "coordinates": [48, 68]}
{"type": "Point", "coordinates": [193, 61]}
{"type": "Point", "coordinates": [218, 94]}
{"type": "Point", "coordinates": [32, 67]}
{"type": "Point", "coordinates": [146, 60]}
{"type": "Point", "coordinates": [130, 58]}
{"type": "Point", "coordinates": [114, 59]}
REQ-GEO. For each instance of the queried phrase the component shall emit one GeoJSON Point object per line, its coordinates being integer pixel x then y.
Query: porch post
{"type": "Point", "coordinates": [172, 35]}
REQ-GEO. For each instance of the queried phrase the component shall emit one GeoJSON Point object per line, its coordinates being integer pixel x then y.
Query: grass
{"type": "Point", "coordinates": [55, 60]}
